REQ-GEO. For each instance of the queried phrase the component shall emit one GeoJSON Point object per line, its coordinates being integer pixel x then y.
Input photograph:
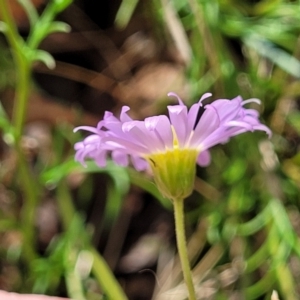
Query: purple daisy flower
{"type": "Point", "coordinates": [170, 146]}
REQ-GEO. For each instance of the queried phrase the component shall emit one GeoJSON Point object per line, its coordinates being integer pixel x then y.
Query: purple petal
{"type": "Point", "coordinates": [143, 136]}
{"type": "Point", "coordinates": [124, 116]}
{"type": "Point", "coordinates": [204, 96]}
{"type": "Point", "coordinates": [207, 124]}
{"type": "Point", "coordinates": [227, 110]}
{"type": "Point", "coordinates": [139, 163]}
{"type": "Point", "coordinates": [100, 158]}
{"type": "Point", "coordinates": [264, 128]}
{"type": "Point", "coordinates": [192, 116]}
{"type": "Point", "coordinates": [193, 112]}
{"type": "Point", "coordinates": [120, 158]}
{"type": "Point", "coordinates": [171, 94]}
{"type": "Point", "coordinates": [238, 123]}
{"type": "Point", "coordinates": [203, 158]}
{"type": "Point", "coordinates": [251, 100]}
{"type": "Point", "coordinates": [132, 148]}
{"type": "Point", "coordinates": [161, 126]}
{"type": "Point", "coordinates": [178, 118]}
{"type": "Point", "coordinates": [86, 128]}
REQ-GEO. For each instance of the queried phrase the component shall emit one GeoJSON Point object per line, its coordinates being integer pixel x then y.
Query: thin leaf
{"type": "Point", "coordinates": [125, 13]}
{"type": "Point", "coordinates": [278, 56]}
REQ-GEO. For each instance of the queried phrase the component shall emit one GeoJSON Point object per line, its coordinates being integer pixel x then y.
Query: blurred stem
{"type": "Point", "coordinates": [23, 69]}
{"type": "Point", "coordinates": [73, 280]}
{"type": "Point", "coordinates": [265, 284]}
{"type": "Point", "coordinates": [42, 24]}
{"type": "Point", "coordinates": [74, 286]}
{"type": "Point", "coordinates": [208, 42]}
{"type": "Point", "coordinates": [21, 97]}
{"type": "Point", "coordinates": [67, 213]}
{"type": "Point", "coordinates": [29, 207]}
{"type": "Point", "coordinates": [100, 268]}
{"type": "Point", "coordinates": [28, 182]}
{"type": "Point", "coordinates": [279, 251]}
{"type": "Point", "coordinates": [286, 281]}
{"type": "Point", "coordinates": [105, 277]}
{"type": "Point", "coordinates": [65, 205]}
{"type": "Point", "coordinates": [182, 248]}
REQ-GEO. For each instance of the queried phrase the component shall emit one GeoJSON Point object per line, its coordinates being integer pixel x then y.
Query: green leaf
{"type": "Point", "coordinates": [284, 226]}
{"type": "Point", "coordinates": [6, 126]}
{"type": "Point", "coordinates": [60, 5]}
{"type": "Point", "coordinates": [4, 121]}
{"type": "Point", "coordinates": [119, 176]}
{"type": "Point", "coordinates": [45, 57]}
{"type": "Point", "coordinates": [30, 10]}
{"type": "Point", "coordinates": [3, 27]}
{"type": "Point", "coordinates": [256, 223]}
{"type": "Point", "coordinates": [56, 173]}
{"type": "Point", "coordinates": [278, 56]}
{"type": "Point", "coordinates": [263, 285]}
{"type": "Point", "coordinates": [57, 26]}
{"type": "Point", "coordinates": [125, 13]}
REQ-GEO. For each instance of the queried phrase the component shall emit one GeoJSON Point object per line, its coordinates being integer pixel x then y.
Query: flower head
{"type": "Point", "coordinates": [170, 146]}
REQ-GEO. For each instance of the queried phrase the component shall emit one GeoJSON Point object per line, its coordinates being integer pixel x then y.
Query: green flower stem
{"type": "Point", "coordinates": [67, 214]}
{"type": "Point", "coordinates": [74, 285]}
{"type": "Point", "coordinates": [41, 26]}
{"type": "Point", "coordinates": [10, 29]}
{"type": "Point", "coordinates": [181, 245]}
{"type": "Point", "coordinates": [37, 32]}
{"type": "Point", "coordinates": [105, 277]}
{"type": "Point", "coordinates": [27, 178]}
{"type": "Point", "coordinates": [29, 207]}
{"type": "Point", "coordinates": [21, 97]}
{"type": "Point", "coordinates": [100, 268]}
{"type": "Point", "coordinates": [23, 69]}
{"type": "Point", "coordinates": [65, 205]}
{"type": "Point", "coordinates": [28, 182]}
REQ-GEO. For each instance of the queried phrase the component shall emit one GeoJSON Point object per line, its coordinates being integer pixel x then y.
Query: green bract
{"type": "Point", "coordinates": [174, 172]}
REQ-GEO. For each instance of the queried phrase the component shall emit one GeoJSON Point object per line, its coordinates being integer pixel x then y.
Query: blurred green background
{"type": "Point", "coordinates": [243, 219]}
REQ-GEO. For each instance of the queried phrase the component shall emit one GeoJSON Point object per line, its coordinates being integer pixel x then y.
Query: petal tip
{"type": "Point", "coordinates": [172, 94]}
